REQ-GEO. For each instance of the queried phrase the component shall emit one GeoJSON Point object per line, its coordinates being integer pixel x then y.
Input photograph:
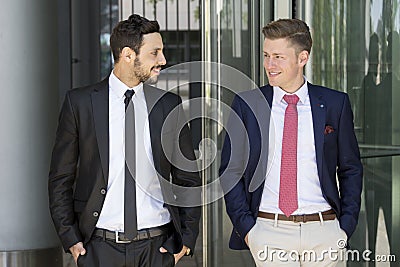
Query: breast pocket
{"type": "Point", "coordinates": [330, 138]}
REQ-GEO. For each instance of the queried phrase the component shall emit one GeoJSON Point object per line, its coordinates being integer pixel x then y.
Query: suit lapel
{"type": "Point", "coordinates": [264, 121]}
{"type": "Point", "coordinates": [100, 115]}
{"type": "Point", "coordinates": [318, 110]}
{"type": "Point", "coordinates": [156, 116]}
{"type": "Point", "coordinates": [262, 116]}
{"type": "Point", "coordinates": [268, 92]}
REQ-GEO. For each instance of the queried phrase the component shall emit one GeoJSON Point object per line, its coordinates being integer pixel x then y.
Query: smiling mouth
{"type": "Point", "coordinates": [273, 74]}
{"type": "Point", "coordinates": [156, 69]}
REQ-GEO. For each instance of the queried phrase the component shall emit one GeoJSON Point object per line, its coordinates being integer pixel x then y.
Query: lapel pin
{"type": "Point", "coordinates": [321, 105]}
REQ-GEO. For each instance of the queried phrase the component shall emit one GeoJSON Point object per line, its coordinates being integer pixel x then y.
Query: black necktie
{"type": "Point", "coordinates": [130, 222]}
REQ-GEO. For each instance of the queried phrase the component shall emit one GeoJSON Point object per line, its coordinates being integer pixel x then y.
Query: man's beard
{"type": "Point", "coordinates": [142, 75]}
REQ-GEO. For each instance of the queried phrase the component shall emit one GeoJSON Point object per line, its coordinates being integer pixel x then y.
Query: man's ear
{"type": "Point", "coordinates": [127, 54]}
{"type": "Point", "coordinates": [303, 57]}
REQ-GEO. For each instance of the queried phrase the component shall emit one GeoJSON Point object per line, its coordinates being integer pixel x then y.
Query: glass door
{"type": "Point", "coordinates": [356, 50]}
{"type": "Point", "coordinates": [232, 39]}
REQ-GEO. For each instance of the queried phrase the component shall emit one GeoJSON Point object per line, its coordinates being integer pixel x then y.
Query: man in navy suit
{"type": "Point", "coordinates": [291, 173]}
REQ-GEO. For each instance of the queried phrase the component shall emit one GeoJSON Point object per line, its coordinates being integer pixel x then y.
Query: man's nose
{"type": "Point", "coordinates": [161, 59]}
{"type": "Point", "coordinates": [269, 62]}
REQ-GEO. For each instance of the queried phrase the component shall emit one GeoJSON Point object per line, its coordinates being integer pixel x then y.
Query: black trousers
{"type": "Point", "coordinates": [144, 253]}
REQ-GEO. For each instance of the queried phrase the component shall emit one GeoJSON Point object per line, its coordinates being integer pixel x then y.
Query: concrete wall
{"type": "Point", "coordinates": [28, 116]}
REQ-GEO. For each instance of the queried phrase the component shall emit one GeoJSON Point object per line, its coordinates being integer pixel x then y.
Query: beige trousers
{"type": "Point", "coordinates": [283, 243]}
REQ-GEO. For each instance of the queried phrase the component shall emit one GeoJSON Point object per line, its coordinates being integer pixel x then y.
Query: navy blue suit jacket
{"type": "Point", "coordinates": [245, 153]}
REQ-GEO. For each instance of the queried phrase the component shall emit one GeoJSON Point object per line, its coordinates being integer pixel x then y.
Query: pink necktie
{"type": "Point", "coordinates": [288, 184]}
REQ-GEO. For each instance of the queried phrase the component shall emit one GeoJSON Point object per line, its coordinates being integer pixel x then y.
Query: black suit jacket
{"type": "Point", "coordinates": [79, 167]}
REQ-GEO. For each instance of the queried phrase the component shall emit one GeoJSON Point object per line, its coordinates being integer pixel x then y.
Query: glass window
{"type": "Point", "coordinates": [356, 50]}
{"type": "Point", "coordinates": [232, 36]}
{"type": "Point", "coordinates": [109, 18]}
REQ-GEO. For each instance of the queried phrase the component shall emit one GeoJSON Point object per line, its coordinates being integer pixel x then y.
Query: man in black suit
{"type": "Point", "coordinates": [87, 190]}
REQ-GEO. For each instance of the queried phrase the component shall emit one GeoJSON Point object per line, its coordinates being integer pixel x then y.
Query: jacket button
{"type": "Point", "coordinates": [95, 214]}
{"type": "Point", "coordinates": [103, 191]}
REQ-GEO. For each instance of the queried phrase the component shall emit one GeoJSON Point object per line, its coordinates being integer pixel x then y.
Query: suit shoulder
{"type": "Point", "coordinates": [88, 89]}
{"type": "Point", "coordinates": [163, 95]}
{"type": "Point", "coordinates": [252, 96]}
{"type": "Point", "coordinates": [255, 91]}
{"type": "Point", "coordinates": [327, 91]}
{"type": "Point", "coordinates": [172, 97]}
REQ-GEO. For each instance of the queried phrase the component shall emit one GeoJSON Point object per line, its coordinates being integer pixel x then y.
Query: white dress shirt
{"type": "Point", "coordinates": [149, 200]}
{"type": "Point", "coordinates": [310, 198]}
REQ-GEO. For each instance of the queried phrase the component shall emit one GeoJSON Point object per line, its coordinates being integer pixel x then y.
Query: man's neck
{"type": "Point", "coordinates": [295, 87]}
{"type": "Point", "coordinates": [125, 77]}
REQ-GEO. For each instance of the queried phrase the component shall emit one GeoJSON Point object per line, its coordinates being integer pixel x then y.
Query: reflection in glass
{"type": "Point", "coordinates": [356, 50]}
{"type": "Point", "coordinates": [108, 19]}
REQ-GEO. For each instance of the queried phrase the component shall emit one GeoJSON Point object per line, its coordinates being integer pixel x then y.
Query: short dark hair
{"type": "Point", "coordinates": [296, 31]}
{"type": "Point", "coordinates": [129, 33]}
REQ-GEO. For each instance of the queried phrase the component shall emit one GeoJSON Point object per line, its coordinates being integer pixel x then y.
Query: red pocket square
{"type": "Point", "coordinates": [328, 129]}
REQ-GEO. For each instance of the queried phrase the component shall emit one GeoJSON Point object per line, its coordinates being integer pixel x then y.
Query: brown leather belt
{"type": "Point", "coordinates": [326, 216]}
{"type": "Point", "coordinates": [119, 237]}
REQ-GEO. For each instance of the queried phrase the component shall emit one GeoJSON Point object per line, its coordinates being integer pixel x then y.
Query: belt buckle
{"type": "Point", "coordinates": [120, 241]}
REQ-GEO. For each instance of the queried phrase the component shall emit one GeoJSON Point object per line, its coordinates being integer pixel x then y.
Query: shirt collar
{"type": "Point", "coordinates": [302, 93]}
{"type": "Point", "coordinates": [119, 88]}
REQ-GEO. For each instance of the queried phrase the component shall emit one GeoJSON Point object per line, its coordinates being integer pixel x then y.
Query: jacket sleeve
{"type": "Point", "coordinates": [350, 170]}
{"type": "Point", "coordinates": [62, 176]}
{"type": "Point", "coordinates": [185, 175]}
{"type": "Point", "coordinates": [234, 155]}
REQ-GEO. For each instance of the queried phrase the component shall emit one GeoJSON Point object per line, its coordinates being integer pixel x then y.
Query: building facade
{"type": "Point", "coordinates": [356, 48]}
